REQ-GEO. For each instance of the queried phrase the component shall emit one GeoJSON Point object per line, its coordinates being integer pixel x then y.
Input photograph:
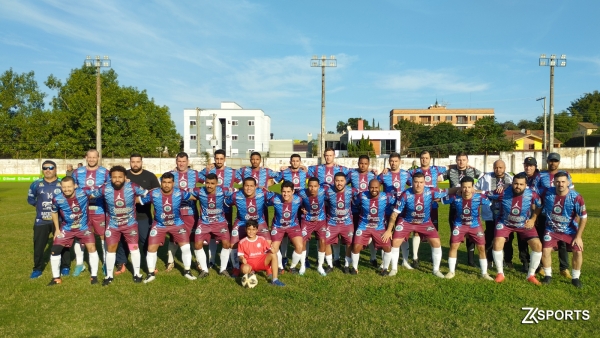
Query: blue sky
{"type": "Point", "coordinates": [391, 54]}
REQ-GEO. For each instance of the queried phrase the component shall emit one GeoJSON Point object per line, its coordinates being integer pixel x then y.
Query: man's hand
{"type": "Point", "coordinates": [385, 171]}
{"type": "Point", "coordinates": [303, 210]}
{"type": "Point", "coordinates": [578, 242]}
{"type": "Point", "coordinates": [499, 189]}
{"type": "Point", "coordinates": [386, 236]}
{"type": "Point", "coordinates": [375, 172]}
{"type": "Point", "coordinates": [530, 223]}
{"type": "Point", "coordinates": [283, 167]}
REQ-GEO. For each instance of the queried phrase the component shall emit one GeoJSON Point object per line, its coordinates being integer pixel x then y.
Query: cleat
{"type": "Point", "coordinates": [55, 281]}
{"type": "Point", "coordinates": [203, 274]}
{"type": "Point", "coordinates": [384, 273]}
{"type": "Point", "coordinates": [565, 273]}
{"type": "Point", "coordinates": [302, 271]}
{"type": "Point", "coordinates": [576, 283]}
{"type": "Point", "coordinates": [307, 264]}
{"type": "Point", "coordinates": [499, 278]}
{"type": "Point", "coordinates": [321, 271]}
{"type": "Point", "coordinates": [94, 280]}
{"type": "Point", "coordinates": [374, 262]}
{"type": "Point", "coordinates": [346, 270]}
{"type": "Point", "coordinates": [438, 274]}
{"type": "Point", "coordinates": [107, 281]}
{"type": "Point", "coordinates": [226, 274]}
{"type": "Point", "coordinates": [65, 271]}
{"type": "Point", "coordinates": [449, 275]}
{"type": "Point", "coordinates": [393, 273]}
{"type": "Point", "coordinates": [416, 264]}
{"type": "Point", "coordinates": [235, 272]}
{"type": "Point", "coordinates": [337, 263]}
{"type": "Point", "coordinates": [533, 280]}
{"type": "Point", "coordinates": [284, 261]}
{"type": "Point", "coordinates": [547, 280]}
{"type": "Point", "coordinates": [486, 276]}
{"type": "Point", "coordinates": [509, 265]}
{"type": "Point", "coordinates": [137, 279]}
{"type": "Point", "coordinates": [281, 271]}
{"type": "Point", "coordinates": [78, 270]}
{"type": "Point", "coordinates": [35, 274]}
{"type": "Point", "coordinates": [187, 274]}
{"type": "Point", "coordinates": [149, 278]}
{"type": "Point", "coordinates": [277, 282]}
{"type": "Point", "coordinates": [120, 268]}
{"type": "Point", "coordinates": [294, 271]}
{"type": "Point", "coordinates": [169, 267]}
{"type": "Point", "coordinates": [329, 270]}
{"type": "Point", "coordinates": [406, 265]}
{"type": "Point", "coordinates": [353, 271]}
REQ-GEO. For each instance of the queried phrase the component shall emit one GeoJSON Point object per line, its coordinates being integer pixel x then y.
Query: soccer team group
{"type": "Point", "coordinates": [132, 212]}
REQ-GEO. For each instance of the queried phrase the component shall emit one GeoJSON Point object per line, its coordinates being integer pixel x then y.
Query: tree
{"type": "Point", "coordinates": [586, 108]}
{"type": "Point", "coordinates": [409, 132]}
{"type": "Point", "coordinates": [363, 147]}
{"type": "Point", "coordinates": [443, 138]}
{"type": "Point", "coordinates": [538, 124]}
{"type": "Point", "coordinates": [509, 125]}
{"type": "Point", "coordinates": [565, 125]}
{"type": "Point", "coordinates": [341, 126]}
{"type": "Point", "coordinates": [487, 136]}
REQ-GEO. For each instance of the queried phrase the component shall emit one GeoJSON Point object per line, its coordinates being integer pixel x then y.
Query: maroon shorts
{"type": "Point", "coordinates": [361, 237]}
{"type": "Point", "coordinates": [308, 227]}
{"type": "Point", "coordinates": [403, 229]}
{"type": "Point", "coordinates": [330, 234]}
{"type": "Point", "coordinates": [113, 235]}
{"type": "Point", "coordinates": [179, 234]}
{"type": "Point", "coordinates": [97, 222]}
{"type": "Point", "coordinates": [258, 263]}
{"type": "Point", "coordinates": [65, 238]}
{"type": "Point", "coordinates": [475, 234]}
{"type": "Point", "coordinates": [189, 222]}
{"type": "Point", "coordinates": [523, 233]}
{"type": "Point", "coordinates": [278, 233]}
{"type": "Point", "coordinates": [551, 240]}
{"type": "Point", "coordinates": [239, 232]}
{"type": "Point", "coordinates": [219, 231]}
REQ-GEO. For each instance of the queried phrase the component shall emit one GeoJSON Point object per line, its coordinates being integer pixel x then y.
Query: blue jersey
{"type": "Point", "coordinates": [212, 206]}
{"type": "Point", "coordinates": [298, 177]}
{"type": "Point", "coordinates": [119, 204]}
{"type": "Point", "coordinates": [286, 213]}
{"type": "Point", "coordinates": [261, 175]}
{"type": "Point", "coordinates": [395, 183]}
{"type": "Point", "coordinates": [431, 175]}
{"type": "Point", "coordinates": [545, 181]}
{"type": "Point", "coordinates": [85, 178]}
{"type": "Point", "coordinates": [314, 205]}
{"type": "Point", "coordinates": [326, 174]}
{"type": "Point", "coordinates": [467, 210]}
{"type": "Point", "coordinates": [40, 196]}
{"type": "Point", "coordinates": [515, 210]}
{"type": "Point", "coordinates": [416, 208]}
{"type": "Point", "coordinates": [225, 175]}
{"type": "Point", "coordinates": [340, 204]}
{"type": "Point", "coordinates": [72, 211]}
{"type": "Point", "coordinates": [249, 208]}
{"type": "Point", "coordinates": [167, 207]}
{"type": "Point", "coordinates": [372, 210]}
{"type": "Point", "coordinates": [560, 211]}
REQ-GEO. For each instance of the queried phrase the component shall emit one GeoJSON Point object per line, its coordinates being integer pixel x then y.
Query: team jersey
{"type": "Point", "coordinates": [212, 205]}
{"type": "Point", "coordinates": [249, 208]}
{"type": "Point", "coordinates": [560, 211]}
{"type": "Point", "coordinates": [286, 213]}
{"type": "Point", "coordinates": [326, 174]}
{"type": "Point", "coordinates": [340, 203]}
{"type": "Point", "coordinates": [546, 181]}
{"type": "Point", "coordinates": [225, 175]}
{"type": "Point", "coordinates": [467, 214]}
{"type": "Point", "coordinates": [167, 207]}
{"type": "Point", "coordinates": [394, 183]}
{"type": "Point", "coordinates": [119, 204]}
{"type": "Point", "coordinates": [314, 205]}
{"type": "Point", "coordinates": [532, 181]}
{"type": "Point", "coordinates": [40, 196]}
{"type": "Point", "coordinates": [454, 175]}
{"type": "Point", "coordinates": [186, 180]}
{"type": "Point", "coordinates": [514, 210]}
{"type": "Point", "coordinates": [431, 175]}
{"type": "Point", "coordinates": [297, 177]}
{"type": "Point", "coordinates": [85, 178]}
{"type": "Point", "coordinates": [416, 208]}
{"type": "Point", "coordinates": [261, 175]}
{"type": "Point", "coordinates": [72, 211]}
{"type": "Point", "coordinates": [373, 210]}
{"type": "Point", "coordinates": [253, 248]}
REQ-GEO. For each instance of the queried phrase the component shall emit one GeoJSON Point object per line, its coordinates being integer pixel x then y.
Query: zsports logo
{"type": "Point", "coordinates": [534, 315]}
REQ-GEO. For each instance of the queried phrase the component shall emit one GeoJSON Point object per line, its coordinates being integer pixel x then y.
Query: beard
{"type": "Point", "coordinates": [117, 186]}
{"type": "Point", "coordinates": [135, 170]}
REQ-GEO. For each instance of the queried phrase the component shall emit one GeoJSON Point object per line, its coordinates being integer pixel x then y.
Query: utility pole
{"type": "Point", "coordinates": [323, 62]}
{"type": "Point", "coordinates": [552, 61]}
{"type": "Point", "coordinates": [98, 63]}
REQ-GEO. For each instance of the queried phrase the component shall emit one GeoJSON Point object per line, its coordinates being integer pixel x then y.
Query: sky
{"type": "Point", "coordinates": [390, 54]}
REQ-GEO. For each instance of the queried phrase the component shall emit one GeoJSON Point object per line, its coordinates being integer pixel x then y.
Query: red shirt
{"type": "Point", "coordinates": [253, 249]}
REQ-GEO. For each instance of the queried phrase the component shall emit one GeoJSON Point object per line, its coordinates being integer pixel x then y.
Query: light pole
{"type": "Point", "coordinates": [552, 61]}
{"type": "Point", "coordinates": [545, 144]}
{"type": "Point", "coordinates": [98, 63]}
{"type": "Point", "coordinates": [323, 62]}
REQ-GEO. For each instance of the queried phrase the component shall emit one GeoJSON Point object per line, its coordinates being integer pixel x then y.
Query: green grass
{"type": "Point", "coordinates": [413, 303]}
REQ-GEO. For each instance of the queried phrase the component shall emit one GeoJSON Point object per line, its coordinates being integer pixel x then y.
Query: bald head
{"type": "Point", "coordinates": [499, 168]}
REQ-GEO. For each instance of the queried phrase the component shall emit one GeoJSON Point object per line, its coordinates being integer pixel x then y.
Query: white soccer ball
{"type": "Point", "coordinates": [249, 281]}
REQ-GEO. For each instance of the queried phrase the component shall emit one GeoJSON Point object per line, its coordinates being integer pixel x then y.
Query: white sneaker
{"type": "Point", "coordinates": [393, 273]}
{"type": "Point", "coordinates": [438, 274]}
{"type": "Point", "coordinates": [486, 277]}
{"type": "Point", "coordinates": [187, 274]}
{"type": "Point", "coordinates": [321, 271]}
{"type": "Point", "coordinates": [449, 275]}
{"type": "Point", "coordinates": [406, 265]}
{"type": "Point", "coordinates": [302, 270]}
{"type": "Point", "coordinates": [149, 278]}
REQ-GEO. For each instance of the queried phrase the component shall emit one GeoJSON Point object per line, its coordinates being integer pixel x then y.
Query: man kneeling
{"type": "Point", "coordinates": [255, 254]}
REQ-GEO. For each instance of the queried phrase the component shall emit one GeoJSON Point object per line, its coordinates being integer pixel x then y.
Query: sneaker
{"type": "Point", "coordinates": [565, 273]}
{"type": "Point", "coordinates": [55, 281]}
{"type": "Point", "coordinates": [499, 278]}
{"type": "Point", "coordinates": [486, 276]}
{"type": "Point", "coordinates": [35, 274]}
{"type": "Point", "coordinates": [576, 282]}
{"type": "Point", "coordinates": [449, 275]}
{"type": "Point", "coordinates": [225, 273]}
{"type": "Point", "coordinates": [302, 271]}
{"type": "Point", "coordinates": [149, 278]}
{"type": "Point", "coordinates": [235, 272]}
{"type": "Point", "coordinates": [94, 280]}
{"type": "Point", "coordinates": [439, 274]}
{"type": "Point", "coordinates": [321, 271]}
{"type": "Point", "coordinates": [294, 271]}
{"type": "Point", "coordinates": [307, 264]}
{"type": "Point", "coordinates": [187, 274]}
{"type": "Point", "coordinates": [384, 273]}
{"type": "Point", "coordinates": [393, 273]}
{"type": "Point", "coordinates": [416, 264]}
{"type": "Point", "coordinates": [203, 274]}
{"type": "Point", "coordinates": [328, 270]}
{"type": "Point", "coordinates": [120, 268]}
{"type": "Point", "coordinates": [284, 261]}
{"type": "Point", "coordinates": [346, 270]}
{"type": "Point", "coordinates": [65, 271]}
{"type": "Point", "coordinates": [547, 280]}
{"type": "Point", "coordinates": [531, 279]}
{"type": "Point", "coordinates": [107, 281]}
{"type": "Point", "coordinates": [353, 271]}
{"type": "Point", "coordinates": [337, 263]}
{"type": "Point", "coordinates": [137, 279]}
{"type": "Point", "coordinates": [169, 266]}
{"type": "Point", "coordinates": [406, 265]}
{"type": "Point", "coordinates": [509, 265]}
{"type": "Point", "coordinates": [78, 270]}
{"type": "Point", "coordinates": [277, 282]}
{"type": "Point", "coordinates": [374, 262]}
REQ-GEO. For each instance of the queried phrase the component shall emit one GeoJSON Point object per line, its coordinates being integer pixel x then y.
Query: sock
{"type": "Point", "coordinates": [111, 257]}
{"type": "Point", "coordinates": [336, 252]}
{"type": "Point", "coordinates": [279, 260]}
{"type": "Point", "coordinates": [94, 263]}
{"type": "Point", "coordinates": [347, 261]}
{"type": "Point", "coordinates": [78, 253]}
{"type": "Point", "coordinates": [373, 251]}
{"type": "Point", "coordinates": [233, 257]}
{"type": "Point", "coordinates": [201, 258]}
{"type": "Point", "coordinates": [416, 241]}
{"type": "Point", "coordinates": [394, 257]}
{"type": "Point", "coordinates": [55, 263]}
{"type": "Point", "coordinates": [320, 259]}
{"type": "Point", "coordinates": [548, 272]}
{"type": "Point", "coordinates": [355, 258]}
{"type": "Point", "coordinates": [575, 274]}
{"type": "Point", "coordinates": [136, 259]}
{"type": "Point", "coordinates": [186, 256]}
{"type": "Point", "coordinates": [404, 248]}
{"type": "Point", "coordinates": [284, 246]}
{"type": "Point", "coordinates": [212, 250]}
{"type": "Point", "coordinates": [534, 262]}
{"type": "Point", "coordinates": [483, 265]}
{"type": "Point", "coordinates": [436, 257]}
{"type": "Point", "coordinates": [224, 256]}
{"type": "Point", "coordinates": [151, 261]}
{"type": "Point", "coordinates": [452, 264]}
{"type": "Point", "coordinates": [387, 257]}
{"type": "Point", "coordinates": [329, 259]}
{"type": "Point", "coordinates": [499, 260]}
{"type": "Point", "coordinates": [171, 253]}
{"type": "Point", "coordinates": [302, 259]}
{"type": "Point", "coordinates": [296, 257]}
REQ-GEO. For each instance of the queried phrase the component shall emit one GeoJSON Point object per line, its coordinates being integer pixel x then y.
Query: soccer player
{"type": "Point", "coordinates": [263, 176]}
{"type": "Point", "coordinates": [467, 223]}
{"type": "Point", "coordinates": [371, 227]}
{"type": "Point", "coordinates": [314, 219]}
{"type": "Point", "coordinates": [561, 207]}
{"type": "Point", "coordinates": [120, 198]}
{"type": "Point", "coordinates": [516, 204]}
{"type": "Point", "coordinates": [532, 173]}
{"type": "Point", "coordinates": [167, 203]}
{"type": "Point", "coordinates": [71, 204]}
{"type": "Point", "coordinates": [40, 196]}
{"type": "Point", "coordinates": [255, 254]}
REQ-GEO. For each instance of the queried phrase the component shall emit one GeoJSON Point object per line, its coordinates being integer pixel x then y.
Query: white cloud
{"type": "Point", "coordinates": [443, 81]}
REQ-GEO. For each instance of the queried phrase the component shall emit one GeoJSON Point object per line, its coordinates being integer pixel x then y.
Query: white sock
{"type": "Point", "coordinates": [284, 246]}
{"type": "Point", "coordinates": [452, 264]}
{"type": "Point", "coordinates": [233, 257]}
{"type": "Point", "coordinates": [212, 250]}
{"type": "Point", "coordinates": [416, 241]}
{"type": "Point", "coordinates": [575, 274]}
{"type": "Point", "coordinates": [136, 259]}
{"type": "Point", "coordinates": [151, 261]}
{"type": "Point", "coordinates": [201, 258]}
{"type": "Point", "coordinates": [186, 256]}
{"type": "Point", "coordinates": [55, 264]}
{"type": "Point", "coordinates": [534, 262]}
{"type": "Point", "coordinates": [303, 257]}
{"type": "Point", "coordinates": [78, 253]}
{"type": "Point", "coordinates": [436, 256]}
{"type": "Point", "coordinates": [548, 272]}
{"type": "Point", "coordinates": [94, 263]}
{"type": "Point", "coordinates": [394, 257]}
{"type": "Point", "coordinates": [483, 266]}
{"type": "Point", "coordinates": [279, 260]}
{"type": "Point", "coordinates": [498, 260]}
{"type": "Point", "coordinates": [111, 257]}
{"type": "Point", "coordinates": [387, 257]}
{"type": "Point", "coordinates": [224, 256]}
{"type": "Point", "coordinates": [336, 252]}
{"type": "Point", "coordinates": [320, 259]}
{"type": "Point", "coordinates": [372, 250]}
{"type": "Point", "coordinates": [347, 261]}
{"type": "Point", "coordinates": [355, 258]}
{"type": "Point", "coordinates": [296, 257]}
{"type": "Point", "coordinates": [329, 259]}
{"type": "Point", "coordinates": [404, 248]}
{"type": "Point", "coordinates": [171, 252]}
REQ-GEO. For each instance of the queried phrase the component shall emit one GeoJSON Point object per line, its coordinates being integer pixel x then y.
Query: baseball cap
{"type": "Point", "coordinates": [553, 157]}
{"type": "Point", "coordinates": [530, 161]}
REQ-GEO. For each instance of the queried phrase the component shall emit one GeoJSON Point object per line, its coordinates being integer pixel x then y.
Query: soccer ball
{"type": "Point", "coordinates": [249, 281]}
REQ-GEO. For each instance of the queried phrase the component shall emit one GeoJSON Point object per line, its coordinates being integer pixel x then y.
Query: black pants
{"type": "Point", "coordinates": [490, 227]}
{"type": "Point", "coordinates": [40, 241]}
{"type": "Point", "coordinates": [144, 225]}
{"type": "Point", "coordinates": [563, 255]}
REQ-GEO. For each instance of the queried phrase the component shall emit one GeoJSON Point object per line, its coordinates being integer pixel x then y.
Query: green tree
{"type": "Point", "coordinates": [509, 125]}
{"type": "Point", "coordinates": [443, 138]}
{"type": "Point", "coordinates": [362, 147]}
{"type": "Point", "coordinates": [409, 132]}
{"type": "Point", "coordinates": [538, 124]}
{"type": "Point", "coordinates": [565, 125]}
{"type": "Point", "coordinates": [341, 126]}
{"type": "Point", "coordinates": [487, 136]}
{"type": "Point", "coordinates": [586, 108]}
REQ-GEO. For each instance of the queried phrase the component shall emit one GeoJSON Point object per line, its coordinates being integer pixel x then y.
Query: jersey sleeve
{"type": "Point", "coordinates": [391, 198]}
{"type": "Point", "coordinates": [440, 193]}
{"type": "Point", "coordinates": [580, 207]}
{"type": "Point", "coordinates": [478, 173]}
{"type": "Point", "coordinates": [139, 190]}
{"type": "Point", "coordinates": [485, 201]}
{"type": "Point", "coordinates": [448, 199]}
{"type": "Point", "coordinates": [400, 202]}
{"type": "Point", "coordinates": [278, 176]}
{"type": "Point", "coordinates": [269, 197]}
{"type": "Point", "coordinates": [31, 198]}
{"type": "Point", "coordinates": [230, 199]}
{"type": "Point", "coordinates": [242, 248]}
{"type": "Point", "coordinates": [146, 198]}
{"type": "Point", "coordinates": [238, 175]}
{"type": "Point", "coordinates": [54, 206]}
{"type": "Point", "coordinates": [492, 195]}
{"type": "Point", "coordinates": [94, 192]}
{"type": "Point", "coordinates": [272, 174]}
{"type": "Point", "coordinates": [536, 199]}
{"type": "Point", "coordinates": [201, 177]}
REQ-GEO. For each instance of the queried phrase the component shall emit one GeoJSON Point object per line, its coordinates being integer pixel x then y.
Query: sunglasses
{"type": "Point", "coordinates": [48, 168]}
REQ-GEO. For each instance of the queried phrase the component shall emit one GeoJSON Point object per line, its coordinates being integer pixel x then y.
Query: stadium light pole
{"type": "Point", "coordinates": [323, 62]}
{"type": "Point", "coordinates": [98, 63]}
{"type": "Point", "coordinates": [552, 62]}
{"type": "Point", "coordinates": [545, 144]}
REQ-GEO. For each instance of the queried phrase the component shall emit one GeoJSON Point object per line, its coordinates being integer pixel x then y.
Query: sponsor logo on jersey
{"type": "Point", "coordinates": [211, 205]}
{"type": "Point", "coordinates": [455, 232]}
{"type": "Point", "coordinates": [557, 209]}
{"type": "Point", "coordinates": [515, 211]}
{"type": "Point", "coordinates": [340, 205]}
{"type": "Point", "coordinates": [182, 184]}
{"type": "Point", "coordinates": [328, 179]}
{"type": "Point", "coordinates": [419, 207]}
{"type": "Point", "coordinates": [466, 211]}
{"type": "Point", "coordinates": [427, 179]}
{"type": "Point", "coordinates": [287, 214]}
{"type": "Point", "coordinates": [220, 181]}
{"type": "Point", "coordinates": [251, 210]}
{"type": "Point", "coordinates": [107, 233]}
{"type": "Point", "coordinates": [314, 206]}
{"type": "Point", "coordinates": [358, 232]}
{"type": "Point", "coordinates": [296, 180]}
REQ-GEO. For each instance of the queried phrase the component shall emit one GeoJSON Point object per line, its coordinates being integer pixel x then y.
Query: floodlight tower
{"type": "Point", "coordinates": [323, 62]}
{"type": "Point", "coordinates": [552, 62]}
{"type": "Point", "coordinates": [98, 63]}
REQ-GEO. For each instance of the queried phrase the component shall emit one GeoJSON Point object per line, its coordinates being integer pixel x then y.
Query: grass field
{"type": "Point", "coordinates": [413, 303]}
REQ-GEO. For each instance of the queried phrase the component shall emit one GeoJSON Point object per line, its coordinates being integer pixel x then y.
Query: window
{"type": "Point", "coordinates": [234, 137]}
{"type": "Point", "coordinates": [388, 146]}
{"type": "Point", "coordinates": [234, 122]}
{"type": "Point", "coordinates": [436, 118]}
{"type": "Point", "coordinates": [250, 137]}
{"type": "Point", "coordinates": [425, 119]}
{"type": "Point", "coordinates": [473, 118]}
{"type": "Point", "coordinates": [192, 123]}
{"type": "Point", "coordinates": [193, 137]}
{"type": "Point", "coordinates": [251, 122]}
{"type": "Point", "coordinates": [412, 118]}
{"type": "Point", "coordinates": [531, 146]}
{"type": "Point", "coordinates": [461, 119]}
{"type": "Point", "coordinates": [448, 118]}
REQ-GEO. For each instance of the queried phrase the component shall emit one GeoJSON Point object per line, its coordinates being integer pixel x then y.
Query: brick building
{"type": "Point", "coordinates": [462, 118]}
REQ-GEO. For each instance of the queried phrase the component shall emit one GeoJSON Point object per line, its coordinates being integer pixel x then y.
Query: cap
{"type": "Point", "coordinates": [49, 162]}
{"type": "Point", "coordinates": [553, 157]}
{"type": "Point", "coordinates": [530, 161]}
